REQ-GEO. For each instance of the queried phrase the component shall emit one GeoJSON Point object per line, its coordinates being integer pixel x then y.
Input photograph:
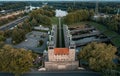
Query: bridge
{"type": "Point", "coordinates": [79, 30]}
{"type": "Point", "coordinates": [93, 40]}
{"type": "Point", "coordinates": [85, 35]}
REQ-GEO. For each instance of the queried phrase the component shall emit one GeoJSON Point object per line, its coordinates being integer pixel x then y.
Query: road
{"type": "Point", "coordinates": [62, 73]}
{"type": "Point", "coordinates": [13, 23]}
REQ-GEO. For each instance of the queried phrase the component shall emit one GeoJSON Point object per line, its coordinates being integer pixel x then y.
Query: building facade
{"type": "Point", "coordinates": [61, 58]}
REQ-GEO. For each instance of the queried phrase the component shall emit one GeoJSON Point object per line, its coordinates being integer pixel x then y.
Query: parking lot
{"type": "Point", "coordinates": [32, 41]}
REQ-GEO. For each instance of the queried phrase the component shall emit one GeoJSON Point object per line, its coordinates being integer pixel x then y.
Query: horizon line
{"type": "Point", "coordinates": [59, 0]}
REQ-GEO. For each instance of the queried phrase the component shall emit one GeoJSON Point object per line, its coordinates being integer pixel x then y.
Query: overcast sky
{"type": "Point", "coordinates": [59, 0]}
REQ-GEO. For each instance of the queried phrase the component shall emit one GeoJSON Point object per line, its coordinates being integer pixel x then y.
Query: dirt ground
{"type": "Point", "coordinates": [11, 14]}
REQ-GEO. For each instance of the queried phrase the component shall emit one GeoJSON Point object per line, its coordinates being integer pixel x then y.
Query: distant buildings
{"type": "Point", "coordinates": [41, 28]}
{"type": "Point", "coordinates": [100, 15]}
{"type": "Point", "coordinates": [97, 14]}
{"type": "Point", "coordinates": [6, 11]}
{"type": "Point", "coordinates": [30, 8]}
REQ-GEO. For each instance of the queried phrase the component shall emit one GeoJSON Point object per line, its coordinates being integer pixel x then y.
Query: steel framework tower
{"type": "Point", "coordinates": [96, 8]}
{"type": "Point", "coordinates": [74, 2]}
{"type": "Point", "coordinates": [118, 11]}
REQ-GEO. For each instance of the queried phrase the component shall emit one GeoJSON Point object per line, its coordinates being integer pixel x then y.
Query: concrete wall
{"type": "Point", "coordinates": [70, 65]}
{"type": "Point", "coordinates": [50, 54]}
{"type": "Point", "coordinates": [72, 54]}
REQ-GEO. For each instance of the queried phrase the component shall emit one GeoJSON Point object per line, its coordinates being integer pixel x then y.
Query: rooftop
{"type": "Point", "coordinates": [61, 51]}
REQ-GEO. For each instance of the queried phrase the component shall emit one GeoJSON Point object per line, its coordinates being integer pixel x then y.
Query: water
{"type": "Point", "coordinates": [60, 13]}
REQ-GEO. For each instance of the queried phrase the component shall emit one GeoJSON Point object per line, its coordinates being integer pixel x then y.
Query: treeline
{"type": "Point", "coordinates": [13, 5]}
{"type": "Point", "coordinates": [77, 16]}
{"type": "Point", "coordinates": [112, 22]}
{"type": "Point", "coordinates": [18, 33]}
{"type": "Point", "coordinates": [42, 16]}
{"type": "Point", "coordinates": [104, 7]}
{"type": "Point", "coordinates": [16, 61]}
{"type": "Point", "coordinates": [98, 57]}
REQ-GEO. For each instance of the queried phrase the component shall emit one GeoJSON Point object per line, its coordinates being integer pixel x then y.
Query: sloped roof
{"type": "Point", "coordinates": [61, 51]}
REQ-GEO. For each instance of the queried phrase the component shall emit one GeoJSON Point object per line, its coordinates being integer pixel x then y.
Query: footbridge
{"type": "Point", "coordinates": [78, 43]}
{"type": "Point", "coordinates": [85, 35]}
{"type": "Point", "coordinates": [79, 30]}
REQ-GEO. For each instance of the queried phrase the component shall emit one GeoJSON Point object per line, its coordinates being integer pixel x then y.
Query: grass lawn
{"type": "Point", "coordinates": [54, 20]}
{"type": "Point", "coordinates": [116, 41]}
{"type": "Point", "coordinates": [110, 33]}
{"type": "Point", "coordinates": [98, 26]}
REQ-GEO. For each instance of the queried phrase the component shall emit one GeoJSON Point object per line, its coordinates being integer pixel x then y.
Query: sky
{"type": "Point", "coordinates": [59, 0]}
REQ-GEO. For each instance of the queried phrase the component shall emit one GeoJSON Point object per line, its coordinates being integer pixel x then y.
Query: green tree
{"type": "Point", "coordinates": [34, 22]}
{"type": "Point", "coordinates": [69, 9]}
{"type": "Point", "coordinates": [2, 44]}
{"type": "Point", "coordinates": [18, 35]}
{"type": "Point", "coordinates": [17, 61]}
{"type": "Point", "coordinates": [7, 33]}
{"type": "Point", "coordinates": [99, 56]}
{"type": "Point", "coordinates": [2, 38]}
{"type": "Point", "coordinates": [77, 16]}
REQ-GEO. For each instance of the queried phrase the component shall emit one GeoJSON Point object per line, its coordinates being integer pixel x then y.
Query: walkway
{"type": "Point", "coordinates": [81, 43]}
{"type": "Point", "coordinates": [86, 35]}
{"type": "Point", "coordinates": [79, 30]}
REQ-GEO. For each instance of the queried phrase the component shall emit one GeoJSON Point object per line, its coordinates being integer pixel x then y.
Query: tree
{"type": "Point", "coordinates": [17, 61]}
{"type": "Point", "coordinates": [2, 38]}
{"type": "Point", "coordinates": [2, 44]}
{"type": "Point", "coordinates": [69, 19]}
{"type": "Point", "coordinates": [99, 56]}
{"type": "Point", "coordinates": [34, 22]}
{"type": "Point", "coordinates": [69, 9]}
{"type": "Point", "coordinates": [7, 33]}
{"type": "Point", "coordinates": [77, 16]}
{"type": "Point", "coordinates": [41, 16]}
{"type": "Point", "coordinates": [18, 35]}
